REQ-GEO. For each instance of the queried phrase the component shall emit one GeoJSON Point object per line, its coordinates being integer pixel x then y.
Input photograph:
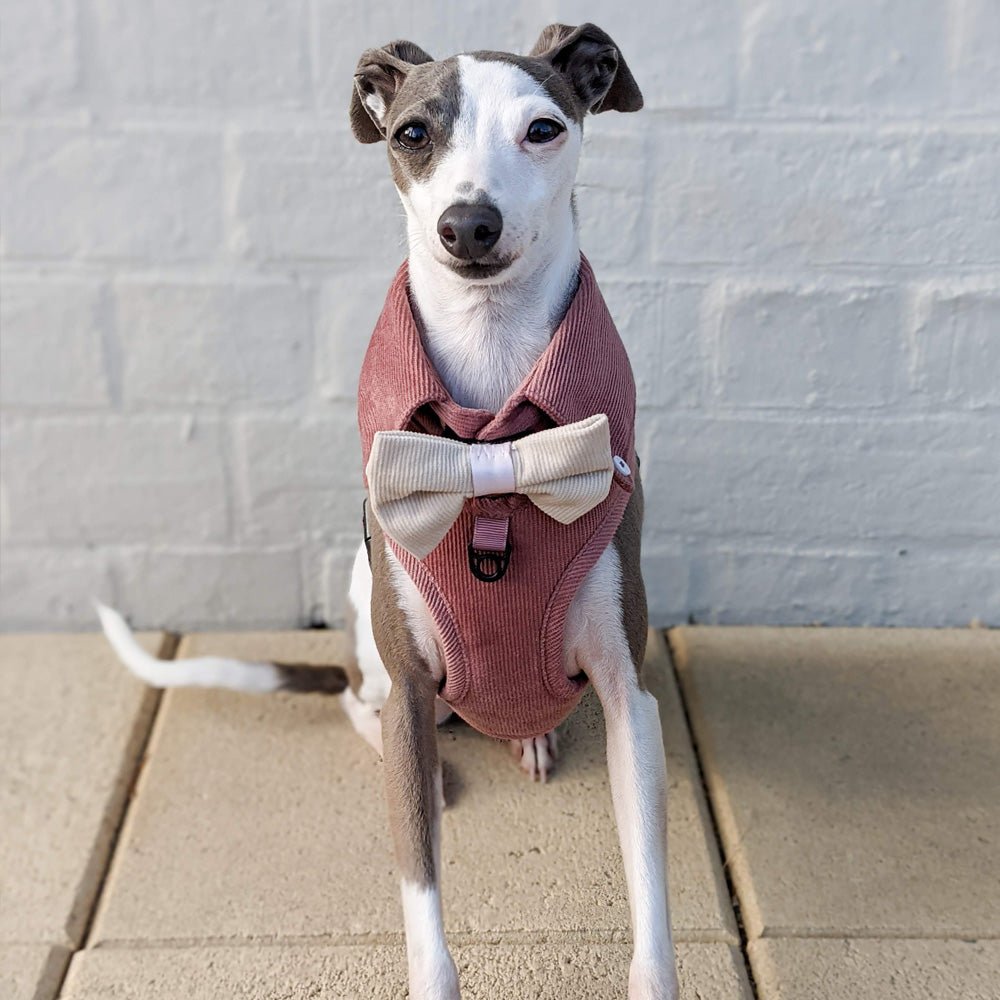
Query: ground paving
{"type": "Point", "coordinates": [855, 781]}
{"type": "Point", "coordinates": [834, 811]}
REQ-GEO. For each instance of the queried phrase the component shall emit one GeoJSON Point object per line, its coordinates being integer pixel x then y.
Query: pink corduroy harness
{"type": "Point", "coordinates": [503, 639]}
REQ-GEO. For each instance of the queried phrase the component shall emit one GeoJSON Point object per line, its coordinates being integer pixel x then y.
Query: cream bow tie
{"type": "Point", "coordinates": [418, 483]}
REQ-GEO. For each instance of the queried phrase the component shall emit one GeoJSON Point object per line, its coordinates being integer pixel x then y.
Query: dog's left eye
{"type": "Point", "coordinates": [413, 136]}
{"type": "Point", "coordinates": [543, 130]}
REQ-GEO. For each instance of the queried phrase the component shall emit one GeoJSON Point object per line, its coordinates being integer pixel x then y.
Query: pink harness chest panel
{"type": "Point", "coordinates": [503, 641]}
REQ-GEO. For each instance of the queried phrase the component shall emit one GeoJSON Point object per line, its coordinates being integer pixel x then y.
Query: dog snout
{"type": "Point", "coordinates": [469, 232]}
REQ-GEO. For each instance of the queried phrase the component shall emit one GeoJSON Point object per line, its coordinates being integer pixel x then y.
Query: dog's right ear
{"type": "Point", "coordinates": [377, 80]}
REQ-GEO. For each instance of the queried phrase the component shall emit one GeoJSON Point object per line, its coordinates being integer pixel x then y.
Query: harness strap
{"type": "Point", "coordinates": [489, 551]}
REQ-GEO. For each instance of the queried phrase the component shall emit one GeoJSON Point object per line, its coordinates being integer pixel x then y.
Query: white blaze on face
{"type": "Point", "coordinates": [489, 157]}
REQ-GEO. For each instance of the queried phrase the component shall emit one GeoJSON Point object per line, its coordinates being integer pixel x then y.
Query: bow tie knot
{"type": "Point", "coordinates": [418, 483]}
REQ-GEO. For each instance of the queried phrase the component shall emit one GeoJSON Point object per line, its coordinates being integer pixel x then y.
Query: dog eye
{"type": "Point", "coordinates": [413, 135]}
{"type": "Point", "coordinates": [543, 130]}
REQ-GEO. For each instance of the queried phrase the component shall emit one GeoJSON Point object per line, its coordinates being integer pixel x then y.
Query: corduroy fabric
{"type": "Point", "coordinates": [503, 641]}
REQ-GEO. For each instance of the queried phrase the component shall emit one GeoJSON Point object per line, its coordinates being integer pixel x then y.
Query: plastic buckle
{"type": "Point", "coordinates": [488, 565]}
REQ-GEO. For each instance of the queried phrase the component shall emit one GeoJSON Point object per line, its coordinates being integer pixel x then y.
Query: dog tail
{"type": "Point", "coordinates": [215, 671]}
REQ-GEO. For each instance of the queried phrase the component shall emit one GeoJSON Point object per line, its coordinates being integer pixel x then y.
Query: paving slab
{"type": "Point", "coordinates": [31, 971]}
{"type": "Point", "coordinates": [72, 723]}
{"type": "Point", "coordinates": [820, 969]}
{"type": "Point", "coordinates": [854, 775]}
{"type": "Point", "coordinates": [514, 972]}
{"type": "Point", "coordinates": [263, 817]}
{"type": "Point", "coordinates": [551, 859]}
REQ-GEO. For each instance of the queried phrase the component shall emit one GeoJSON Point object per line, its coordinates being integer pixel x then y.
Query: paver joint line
{"type": "Point", "coordinates": [460, 938]}
{"type": "Point", "coordinates": [837, 934]}
{"type": "Point", "coordinates": [713, 819]}
{"type": "Point", "coordinates": [168, 649]}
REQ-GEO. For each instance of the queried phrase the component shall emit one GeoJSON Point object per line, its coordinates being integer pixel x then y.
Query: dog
{"type": "Point", "coordinates": [483, 149]}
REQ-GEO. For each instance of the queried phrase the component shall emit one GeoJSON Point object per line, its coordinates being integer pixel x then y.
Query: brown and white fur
{"type": "Point", "coordinates": [458, 133]}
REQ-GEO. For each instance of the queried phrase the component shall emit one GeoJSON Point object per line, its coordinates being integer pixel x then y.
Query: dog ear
{"type": "Point", "coordinates": [377, 80]}
{"type": "Point", "coordinates": [592, 65]}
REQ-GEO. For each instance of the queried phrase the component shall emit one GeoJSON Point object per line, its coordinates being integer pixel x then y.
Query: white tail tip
{"type": "Point", "coordinates": [200, 671]}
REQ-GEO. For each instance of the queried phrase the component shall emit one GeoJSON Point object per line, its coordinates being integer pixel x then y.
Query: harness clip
{"type": "Point", "coordinates": [488, 565]}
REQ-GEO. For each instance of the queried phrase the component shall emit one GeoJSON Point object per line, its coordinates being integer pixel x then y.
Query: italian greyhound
{"type": "Point", "coordinates": [483, 149]}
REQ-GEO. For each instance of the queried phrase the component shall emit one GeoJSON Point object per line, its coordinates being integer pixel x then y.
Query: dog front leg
{"type": "Point", "coordinates": [638, 774]}
{"type": "Point", "coordinates": [414, 793]}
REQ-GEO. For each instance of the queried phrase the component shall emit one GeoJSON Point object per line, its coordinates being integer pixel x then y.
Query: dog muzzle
{"type": "Point", "coordinates": [418, 483]}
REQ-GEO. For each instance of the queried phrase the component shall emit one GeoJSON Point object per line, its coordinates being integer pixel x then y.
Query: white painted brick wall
{"type": "Point", "coordinates": [852, 54]}
{"type": "Point", "coordinates": [799, 237]}
{"type": "Point", "coordinates": [85, 480]}
{"type": "Point", "coordinates": [52, 343]}
{"type": "Point", "coordinates": [211, 343]}
{"type": "Point", "coordinates": [225, 54]}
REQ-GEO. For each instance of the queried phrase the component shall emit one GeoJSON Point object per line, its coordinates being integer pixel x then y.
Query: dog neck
{"type": "Point", "coordinates": [484, 339]}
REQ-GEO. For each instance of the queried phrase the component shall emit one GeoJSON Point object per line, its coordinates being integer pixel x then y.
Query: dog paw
{"type": "Point", "coordinates": [436, 979]}
{"type": "Point", "coordinates": [652, 981]}
{"type": "Point", "coordinates": [536, 756]}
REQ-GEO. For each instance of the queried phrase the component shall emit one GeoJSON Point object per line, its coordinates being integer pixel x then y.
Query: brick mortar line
{"type": "Point", "coordinates": [167, 651]}
{"type": "Point", "coordinates": [755, 542]}
{"type": "Point", "coordinates": [734, 896]}
{"type": "Point", "coordinates": [282, 272]}
{"type": "Point", "coordinates": [90, 116]}
{"type": "Point", "coordinates": [886, 415]}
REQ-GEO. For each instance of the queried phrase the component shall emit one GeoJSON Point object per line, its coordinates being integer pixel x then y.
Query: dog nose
{"type": "Point", "coordinates": [468, 232]}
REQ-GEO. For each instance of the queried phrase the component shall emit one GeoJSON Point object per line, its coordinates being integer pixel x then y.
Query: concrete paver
{"type": "Point", "coordinates": [822, 969]}
{"type": "Point", "coordinates": [31, 971]}
{"type": "Point", "coordinates": [854, 777]}
{"type": "Point", "coordinates": [513, 972]}
{"type": "Point", "coordinates": [71, 724]}
{"type": "Point", "coordinates": [552, 859]}
{"type": "Point", "coordinates": [851, 772]}
{"type": "Point", "coordinates": [284, 835]}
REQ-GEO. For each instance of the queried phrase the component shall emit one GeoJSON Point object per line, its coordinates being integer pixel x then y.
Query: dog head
{"type": "Point", "coordinates": [484, 147]}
